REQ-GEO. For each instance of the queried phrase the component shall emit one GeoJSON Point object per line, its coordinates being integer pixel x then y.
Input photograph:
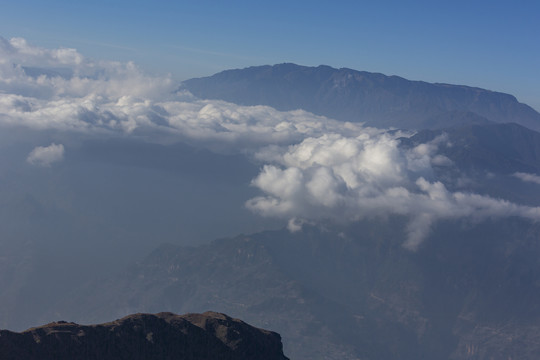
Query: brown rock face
{"type": "Point", "coordinates": [145, 336]}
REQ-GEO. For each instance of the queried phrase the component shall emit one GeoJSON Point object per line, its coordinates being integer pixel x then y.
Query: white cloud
{"type": "Point", "coordinates": [61, 89]}
{"type": "Point", "coordinates": [346, 179]}
{"type": "Point", "coordinates": [315, 168]}
{"type": "Point", "coordinates": [528, 177]}
{"type": "Point", "coordinates": [46, 155]}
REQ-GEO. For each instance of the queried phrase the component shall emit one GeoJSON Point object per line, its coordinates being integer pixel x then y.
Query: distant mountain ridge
{"type": "Point", "coordinates": [145, 336]}
{"type": "Point", "coordinates": [358, 96]}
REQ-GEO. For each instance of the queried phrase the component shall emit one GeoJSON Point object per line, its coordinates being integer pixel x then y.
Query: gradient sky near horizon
{"type": "Point", "coordinates": [488, 44]}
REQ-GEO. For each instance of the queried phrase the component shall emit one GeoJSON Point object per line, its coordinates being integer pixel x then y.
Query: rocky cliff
{"type": "Point", "coordinates": [145, 336]}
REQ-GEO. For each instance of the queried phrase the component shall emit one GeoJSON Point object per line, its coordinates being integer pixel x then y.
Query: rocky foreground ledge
{"type": "Point", "coordinates": [145, 336]}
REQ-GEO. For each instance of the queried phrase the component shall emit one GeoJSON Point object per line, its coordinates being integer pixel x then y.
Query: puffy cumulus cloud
{"type": "Point", "coordinates": [18, 48]}
{"type": "Point", "coordinates": [50, 74]}
{"type": "Point", "coordinates": [338, 178]}
{"type": "Point", "coordinates": [60, 89]}
{"type": "Point", "coordinates": [528, 177]}
{"type": "Point", "coordinates": [46, 155]}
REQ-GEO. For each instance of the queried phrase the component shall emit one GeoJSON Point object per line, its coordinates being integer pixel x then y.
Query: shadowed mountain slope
{"type": "Point", "coordinates": [358, 96]}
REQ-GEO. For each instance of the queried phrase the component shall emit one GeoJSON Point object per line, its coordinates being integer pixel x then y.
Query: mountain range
{"type": "Point", "coordinates": [358, 96]}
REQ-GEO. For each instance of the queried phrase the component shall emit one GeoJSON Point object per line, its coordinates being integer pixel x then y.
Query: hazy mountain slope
{"type": "Point", "coordinates": [145, 336]}
{"type": "Point", "coordinates": [354, 292]}
{"type": "Point", "coordinates": [499, 148]}
{"type": "Point", "coordinates": [486, 158]}
{"type": "Point", "coordinates": [235, 274]}
{"type": "Point", "coordinates": [358, 96]}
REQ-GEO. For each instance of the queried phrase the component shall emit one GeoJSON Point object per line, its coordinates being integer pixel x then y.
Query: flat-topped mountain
{"type": "Point", "coordinates": [358, 96]}
{"type": "Point", "coordinates": [145, 336]}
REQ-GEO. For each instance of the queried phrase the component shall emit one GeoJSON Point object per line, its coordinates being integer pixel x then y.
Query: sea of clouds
{"type": "Point", "coordinates": [312, 168]}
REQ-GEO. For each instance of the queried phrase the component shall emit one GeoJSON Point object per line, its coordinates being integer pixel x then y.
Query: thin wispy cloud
{"type": "Point", "coordinates": [528, 177]}
{"type": "Point", "coordinates": [210, 52]}
{"type": "Point", "coordinates": [107, 45]}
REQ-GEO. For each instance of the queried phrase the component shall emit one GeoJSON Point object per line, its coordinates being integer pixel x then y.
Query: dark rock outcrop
{"type": "Point", "coordinates": [145, 336]}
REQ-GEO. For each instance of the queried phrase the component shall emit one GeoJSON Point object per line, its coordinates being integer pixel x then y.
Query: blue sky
{"type": "Point", "coordinates": [489, 44]}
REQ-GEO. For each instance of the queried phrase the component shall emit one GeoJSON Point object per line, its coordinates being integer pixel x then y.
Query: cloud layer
{"type": "Point", "coordinates": [312, 168]}
{"type": "Point", "coordinates": [60, 89]}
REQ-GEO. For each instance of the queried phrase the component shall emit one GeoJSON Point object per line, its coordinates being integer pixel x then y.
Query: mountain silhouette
{"type": "Point", "coordinates": [358, 96]}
